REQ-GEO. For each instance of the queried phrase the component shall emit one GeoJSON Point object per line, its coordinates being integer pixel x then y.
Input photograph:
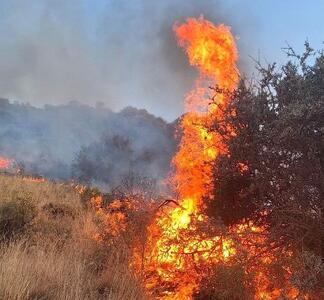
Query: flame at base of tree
{"type": "Point", "coordinates": [180, 250]}
{"type": "Point", "coordinates": [182, 246]}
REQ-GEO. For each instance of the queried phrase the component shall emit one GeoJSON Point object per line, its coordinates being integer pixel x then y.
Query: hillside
{"type": "Point", "coordinates": [58, 141]}
{"type": "Point", "coordinates": [48, 249]}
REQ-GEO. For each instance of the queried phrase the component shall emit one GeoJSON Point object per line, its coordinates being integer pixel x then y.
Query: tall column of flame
{"type": "Point", "coordinates": [175, 247]}
{"type": "Point", "coordinates": [213, 51]}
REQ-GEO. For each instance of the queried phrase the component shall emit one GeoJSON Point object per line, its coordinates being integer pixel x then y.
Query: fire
{"type": "Point", "coordinates": [180, 248]}
{"type": "Point", "coordinates": [181, 244]}
{"type": "Point", "coordinates": [4, 163]}
{"type": "Point", "coordinates": [115, 221]}
{"type": "Point", "coordinates": [11, 167]}
{"type": "Point", "coordinates": [212, 50]}
{"type": "Point", "coordinates": [177, 249]}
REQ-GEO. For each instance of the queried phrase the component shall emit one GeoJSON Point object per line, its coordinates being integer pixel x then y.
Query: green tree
{"type": "Point", "coordinates": [274, 173]}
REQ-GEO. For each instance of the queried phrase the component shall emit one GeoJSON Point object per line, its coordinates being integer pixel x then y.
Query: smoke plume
{"type": "Point", "coordinates": [117, 52]}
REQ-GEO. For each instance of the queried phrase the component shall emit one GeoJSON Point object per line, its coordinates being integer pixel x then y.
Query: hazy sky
{"type": "Point", "coordinates": [123, 52]}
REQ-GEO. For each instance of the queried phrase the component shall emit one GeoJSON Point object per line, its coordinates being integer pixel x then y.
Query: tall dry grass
{"type": "Point", "coordinates": [56, 256]}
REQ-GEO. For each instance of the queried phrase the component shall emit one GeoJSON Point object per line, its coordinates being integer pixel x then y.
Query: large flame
{"type": "Point", "coordinates": [179, 251]}
{"type": "Point", "coordinates": [180, 246]}
{"type": "Point", "coordinates": [212, 50]}
{"type": "Point", "coordinates": [176, 246]}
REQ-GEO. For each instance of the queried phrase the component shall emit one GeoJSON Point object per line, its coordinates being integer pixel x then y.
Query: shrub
{"type": "Point", "coordinates": [60, 257]}
{"type": "Point", "coordinates": [15, 216]}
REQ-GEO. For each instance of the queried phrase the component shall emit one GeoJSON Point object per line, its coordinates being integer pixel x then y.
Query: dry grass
{"type": "Point", "coordinates": [56, 257]}
{"type": "Point", "coordinates": [41, 192]}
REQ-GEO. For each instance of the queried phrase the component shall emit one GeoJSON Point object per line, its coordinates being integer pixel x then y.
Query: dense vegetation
{"type": "Point", "coordinates": [48, 250]}
{"type": "Point", "coordinates": [57, 243]}
{"type": "Point", "coordinates": [274, 174]}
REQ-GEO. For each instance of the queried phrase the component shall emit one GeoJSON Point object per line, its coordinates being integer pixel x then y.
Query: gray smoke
{"type": "Point", "coordinates": [106, 55]}
{"type": "Point", "coordinates": [117, 52]}
{"type": "Point", "coordinates": [91, 145]}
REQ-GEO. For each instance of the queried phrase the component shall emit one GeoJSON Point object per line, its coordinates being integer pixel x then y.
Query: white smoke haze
{"type": "Point", "coordinates": [116, 52]}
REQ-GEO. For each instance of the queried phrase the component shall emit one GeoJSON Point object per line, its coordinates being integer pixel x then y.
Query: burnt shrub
{"type": "Point", "coordinates": [16, 215]}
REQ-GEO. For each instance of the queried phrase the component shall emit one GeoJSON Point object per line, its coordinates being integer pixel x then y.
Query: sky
{"type": "Point", "coordinates": [123, 53]}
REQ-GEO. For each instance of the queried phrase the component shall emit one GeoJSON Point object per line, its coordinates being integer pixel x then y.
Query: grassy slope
{"type": "Point", "coordinates": [47, 250]}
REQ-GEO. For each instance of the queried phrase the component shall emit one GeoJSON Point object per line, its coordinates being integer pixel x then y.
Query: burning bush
{"type": "Point", "coordinates": [173, 246]}
{"type": "Point", "coordinates": [278, 124]}
{"type": "Point", "coordinates": [207, 239]}
{"type": "Point", "coordinates": [125, 213]}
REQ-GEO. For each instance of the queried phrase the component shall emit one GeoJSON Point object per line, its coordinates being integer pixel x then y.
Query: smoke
{"type": "Point", "coordinates": [117, 52]}
{"type": "Point", "coordinates": [46, 56]}
{"type": "Point", "coordinates": [107, 54]}
{"type": "Point", "coordinates": [95, 145]}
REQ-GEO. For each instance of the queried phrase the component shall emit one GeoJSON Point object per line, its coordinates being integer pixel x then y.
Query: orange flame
{"type": "Point", "coordinates": [11, 166]}
{"type": "Point", "coordinates": [4, 163]}
{"type": "Point", "coordinates": [177, 253]}
{"type": "Point", "coordinates": [177, 247]}
{"type": "Point", "coordinates": [212, 50]}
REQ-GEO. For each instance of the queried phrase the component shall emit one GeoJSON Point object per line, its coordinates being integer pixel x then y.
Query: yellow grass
{"type": "Point", "coordinates": [56, 257]}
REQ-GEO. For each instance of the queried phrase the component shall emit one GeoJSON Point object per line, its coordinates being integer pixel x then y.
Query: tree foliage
{"type": "Point", "coordinates": [274, 173]}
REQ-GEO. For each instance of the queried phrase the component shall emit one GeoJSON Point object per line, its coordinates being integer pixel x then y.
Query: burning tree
{"type": "Point", "coordinates": [279, 138]}
{"type": "Point", "coordinates": [178, 249]}
{"type": "Point", "coordinates": [183, 253]}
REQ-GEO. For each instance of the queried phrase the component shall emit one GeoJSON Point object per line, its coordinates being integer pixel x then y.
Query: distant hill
{"type": "Point", "coordinates": [92, 144]}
